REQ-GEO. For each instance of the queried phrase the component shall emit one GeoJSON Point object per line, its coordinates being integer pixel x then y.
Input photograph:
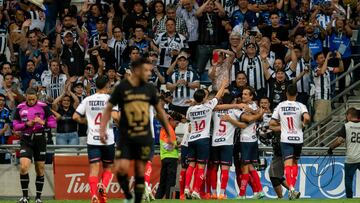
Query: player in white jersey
{"type": "Point", "coordinates": [224, 125]}
{"type": "Point", "coordinates": [184, 162]}
{"type": "Point", "coordinates": [92, 107]}
{"type": "Point", "coordinates": [350, 135]}
{"type": "Point", "coordinates": [199, 116]}
{"type": "Point", "coordinates": [249, 146]}
{"type": "Point", "coordinates": [290, 117]}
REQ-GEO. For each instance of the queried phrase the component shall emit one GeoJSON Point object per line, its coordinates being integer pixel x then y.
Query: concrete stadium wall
{"type": "Point", "coordinates": [10, 181]}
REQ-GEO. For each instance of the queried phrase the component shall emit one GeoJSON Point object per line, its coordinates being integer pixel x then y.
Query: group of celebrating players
{"type": "Point", "coordinates": [220, 130]}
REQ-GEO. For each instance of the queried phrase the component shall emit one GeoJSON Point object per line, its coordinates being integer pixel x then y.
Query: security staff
{"type": "Point", "coordinates": [350, 134]}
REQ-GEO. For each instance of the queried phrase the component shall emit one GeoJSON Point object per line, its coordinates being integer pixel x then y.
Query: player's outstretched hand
{"type": "Point", "coordinates": [103, 137]}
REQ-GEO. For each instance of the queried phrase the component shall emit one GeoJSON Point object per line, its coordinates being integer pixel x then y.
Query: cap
{"type": "Point", "coordinates": [183, 56]}
{"type": "Point", "coordinates": [68, 32]}
{"type": "Point", "coordinates": [152, 53]}
{"type": "Point", "coordinates": [100, 19]}
{"type": "Point", "coordinates": [38, 3]}
{"type": "Point", "coordinates": [79, 84]}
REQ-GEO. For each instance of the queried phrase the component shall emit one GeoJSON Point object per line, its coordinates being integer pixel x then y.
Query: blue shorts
{"type": "Point", "coordinates": [104, 153]}
{"type": "Point", "coordinates": [198, 151]}
{"type": "Point", "coordinates": [184, 156]}
{"type": "Point", "coordinates": [290, 151]}
{"type": "Point", "coordinates": [249, 152]}
{"type": "Point", "coordinates": [223, 154]}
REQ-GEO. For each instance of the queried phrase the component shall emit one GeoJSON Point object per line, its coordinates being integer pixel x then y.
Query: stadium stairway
{"type": "Point", "coordinates": [324, 132]}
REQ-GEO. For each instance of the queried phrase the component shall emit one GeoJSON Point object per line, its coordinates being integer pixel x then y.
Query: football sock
{"type": "Point", "coordinates": [256, 179]}
{"type": "Point", "coordinates": [93, 182]}
{"type": "Point", "coordinates": [189, 173]}
{"type": "Point", "coordinates": [213, 178]}
{"type": "Point", "coordinates": [288, 176]}
{"type": "Point", "coordinates": [224, 180]}
{"type": "Point", "coordinates": [24, 181]}
{"type": "Point", "coordinates": [39, 184]}
{"type": "Point", "coordinates": [139, 188]}
{"type": "Point", "coordinates": [148, 170]}
{"type": "Point", "coordinates": [182, 181]}
{"type": "Point", "coordinates": [124, 184]}
{"type": "Point", "coordinates": [244, 182]}
{"type": "Point", "coordinates": [106, 177]}
{"type": "Point", "coordinates": [199, 180]}
{"type": "Point", "coordinates": [294, 172]}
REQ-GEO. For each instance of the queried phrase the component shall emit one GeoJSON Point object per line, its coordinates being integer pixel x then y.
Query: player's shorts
{"type": "Point", "coordinates": [223, 154]}
{"type": "Point", "coordinates": [33, 145]}
{"type": "Point", "coordinates": [290, 151]}
{"type": "Point", "coordinates": [103, 153]}
{"type": "Point", "coordinates": [249, 152]}
{"type": "Point", "coordinates": [184, 156]}
{"type": "Point", "coordinates": [134, 150]}
{"type": "Point", "coordinates": [276, 169]}
{"type": "Point", "coordinates": [198, 151]}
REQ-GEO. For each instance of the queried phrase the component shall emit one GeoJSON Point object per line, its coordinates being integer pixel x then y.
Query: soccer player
{"type": "Point", "coordinates": [184, 163]}
{"type": "Point", "coordinates": [249, 146]}
{"type": "Point", "coordinates": [223, 143]}
{"type": "Point", "coordinates": [92, 107]}
{"type": "Point", "coordinates": [350, 134]}
{"type": "Point", "coordinates": [290, 117]}
{"type": "Point", "coordinates": [134, 96]}
{"type": "Point", "coordinates": [31, 118]}
{"type": "Point", "coordinates": [199, 116]}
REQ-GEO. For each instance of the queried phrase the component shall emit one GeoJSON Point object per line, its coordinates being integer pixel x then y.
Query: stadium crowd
{"type": "Point", "coordinates": [60, 49]}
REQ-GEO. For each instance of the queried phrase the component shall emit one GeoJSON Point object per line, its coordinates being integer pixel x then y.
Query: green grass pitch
{"type": "Point", "coordinates": [200, 201]}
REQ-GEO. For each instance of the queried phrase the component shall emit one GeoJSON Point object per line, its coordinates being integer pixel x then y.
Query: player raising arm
{"type": "Point", "coordinates": [290, 117]}
{"type": "Point", "coordinates": [199, 116]}
{"type": "Point", "coordinates": [134, 96]}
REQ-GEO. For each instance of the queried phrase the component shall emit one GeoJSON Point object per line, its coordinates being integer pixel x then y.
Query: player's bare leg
{"type": "Point", "coordinates": [24, 179]}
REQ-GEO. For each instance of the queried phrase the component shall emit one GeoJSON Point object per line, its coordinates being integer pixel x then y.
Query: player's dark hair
{"type": "Point", "coordinates": [101, 82]}
{"type": "Point", "coordinates": [292, 90]}
{"type": "Point", "coordinates": [199, 95]}
{"type": "Point", "coordinates": [240, 73]}
{"type": "Point", "coordinates": [317, 55]}
{"type": "Point", "coordinates": [139, 63]}
{"type": "Point", "coordinates": [267, 98]}
{"type": "Point", "coordinates": [3, 96]}
{"type": "Point", "coordinates": [274, 13]}
{"type": "Point", "coordinates": [251, 90]}
{"type": "Point", "coordinates": [352, 112]}
{"type": "Point", "coordinates": [227, 98]}
{"type": "Point", "coordinates": [8, 74]}
{"type": "Point", "coordinates": [170, 19]}
{"type": "Point", "coordinates": [31, 91]}
{"type": "Point", "coordinates": [5, 63]}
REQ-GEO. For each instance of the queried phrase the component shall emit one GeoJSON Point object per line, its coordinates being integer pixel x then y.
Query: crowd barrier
{"type": "Point", "coordinates": [66, 178]}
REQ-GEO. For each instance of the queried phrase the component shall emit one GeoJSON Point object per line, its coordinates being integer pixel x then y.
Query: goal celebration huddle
{"type": "Point", "coordinates": [222, 130]}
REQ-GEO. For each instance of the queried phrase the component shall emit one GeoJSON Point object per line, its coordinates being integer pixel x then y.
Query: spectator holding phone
{"type": "Point", "coordinates": [340, 41]}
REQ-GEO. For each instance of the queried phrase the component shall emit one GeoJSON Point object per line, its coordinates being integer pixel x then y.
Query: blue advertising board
{"type": "Point", "coordinates": [318, 178]}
